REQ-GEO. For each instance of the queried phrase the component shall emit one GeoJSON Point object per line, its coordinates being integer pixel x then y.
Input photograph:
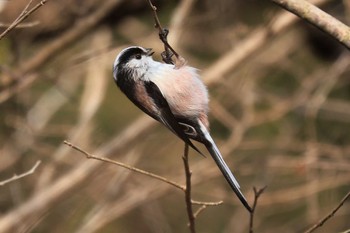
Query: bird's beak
{"type": "Point", "coordinates": [149, 52]}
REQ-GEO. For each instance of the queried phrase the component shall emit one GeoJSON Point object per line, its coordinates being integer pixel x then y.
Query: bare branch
{"type": "Point", "coordinates": [16, 177]}
{"type": "Point", "coordinates": [188, 173]}
{"type": "Point", "coordinates": [200, 210]}
{"type": "Point", "coordinates": [188, 195]}
{"type": "Point", "coordinates": [318, 18]}
{"type": "Point", "coordinates": [207, 203]}
{"type": "Point", "coordinates": [189, 202]}
{"type": "Point", "coordinates": [22, 25]}
{"type": "Point", "coordinates": [257, 194]}
{"type": "Point", "coordinates": [25, 13]}
{"type": "Point", "coordinates": [330, 215]}
{"type": "Point", "coordinates": [204, 206]}
{"type": "Point", "coordinates": [90, 156]}
{"type": "Point", "coordinates": [163, 36]}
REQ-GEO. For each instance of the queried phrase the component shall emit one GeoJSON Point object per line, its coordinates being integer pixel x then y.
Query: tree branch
{"type": "Point", "coordinates": [16, 177]}
{"type": "Point", "coordinates": [22, 25]}
{"type": "Point", "coordinates": [155, 176]}
{"type": "Point", "coordinates": [163, 36]}
{"type": "Point", "coordinates": [204, 206]}
{"type": "Point", "coordinates": [189, 202]}
{"type": "Point", "coordinates": [328, 216]}
{"type": "Point", "coordinates": [25, 13]}
{"type": "Point", "coordinates": [188, 173]}
{"type": "Point", "coordinates": [318, 18]}
{"type": "Point", "coordinates": [257, 194]}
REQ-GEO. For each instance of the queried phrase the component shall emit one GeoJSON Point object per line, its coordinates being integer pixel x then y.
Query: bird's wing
{"type": "Point", "coordinates": [165, 115]}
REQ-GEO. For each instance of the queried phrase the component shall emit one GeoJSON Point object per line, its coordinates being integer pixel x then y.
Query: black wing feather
{"type": "Point", "coordinates": [166, 116]}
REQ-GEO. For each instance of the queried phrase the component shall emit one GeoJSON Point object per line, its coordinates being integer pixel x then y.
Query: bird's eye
{"type": "Point", "coordinates": [138, 56]}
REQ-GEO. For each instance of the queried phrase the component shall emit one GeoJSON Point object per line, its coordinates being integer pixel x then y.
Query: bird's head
{"type": "Point", "coordinates": [132, 61]}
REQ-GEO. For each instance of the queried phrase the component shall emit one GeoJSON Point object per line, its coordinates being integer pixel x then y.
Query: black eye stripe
{"type": "Point", "coordinates": [130, 54]}
{"type": "Point", "coordinates": [138, 56]}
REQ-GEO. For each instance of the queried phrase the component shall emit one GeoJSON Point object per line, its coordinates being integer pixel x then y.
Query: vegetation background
{"type": "Point", "coordinates": [280, 113]}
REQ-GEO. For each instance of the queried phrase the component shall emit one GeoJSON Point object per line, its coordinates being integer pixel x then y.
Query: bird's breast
{"type": "Point", "coordinates": [183, 89]}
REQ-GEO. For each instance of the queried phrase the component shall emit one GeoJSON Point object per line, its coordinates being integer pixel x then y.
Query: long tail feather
{"type": "Point", "coordinates": [216, 155]}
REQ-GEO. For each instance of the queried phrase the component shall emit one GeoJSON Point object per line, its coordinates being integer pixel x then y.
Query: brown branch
{"type": "Point", "coordinates": [155, 176]}
{"type": "Point", "coordinates": [189, 202]}
{"type": "Point", "coordinates": [200, 210]}
{"type": "Point", "coordinates": [204, 206]}
{"type": "Point", "coordinates": [257, 194]}
{"type": "Point", "coordinates": [22, 25]}
{"type": "Point", "coordinates": [245, 48]}
{"type": "Point", "coordinates": [207, 203]}
{"type": "Point", "coordinates": [163, 36]}
{"type": "Point", "coordinates": [318, 18]}
{"type": "Point", "coordinates": [188, 173]}
{"type": "Point", "coordinates": [25, 13]}
{"type": "Point", "coordinates": [188, 193]}
{"type": "Point", "coordinates": [16, 177]}
{"type": "Point", "coordinates": [328, 216]}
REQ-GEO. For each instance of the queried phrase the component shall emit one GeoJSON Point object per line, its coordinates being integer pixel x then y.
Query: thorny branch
{"type": "Point", "coordinates": [25, 13]}
{"type": "Point", "coordinates": [168, 52]}
{"type": "Point", "coordinates": [330, 215]}
{"type": "Point", "coordinates": [257, 194]}
{"type": "Point", "coordinates": [16, 177]}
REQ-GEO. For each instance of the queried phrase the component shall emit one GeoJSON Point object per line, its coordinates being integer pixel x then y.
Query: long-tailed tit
{"type": "Point", "coordinates": [173, 96]}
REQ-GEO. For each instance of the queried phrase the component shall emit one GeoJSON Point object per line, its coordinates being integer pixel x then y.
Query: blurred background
{"type": "Point", "coordinates": [280, 114]}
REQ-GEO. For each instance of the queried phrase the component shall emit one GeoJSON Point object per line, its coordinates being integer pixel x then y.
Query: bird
{"type": "Point", "coordinates": [174, 96]}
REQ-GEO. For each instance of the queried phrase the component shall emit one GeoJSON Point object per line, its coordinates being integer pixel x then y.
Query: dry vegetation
{"type": "Point", "coordinates": [280, 113]}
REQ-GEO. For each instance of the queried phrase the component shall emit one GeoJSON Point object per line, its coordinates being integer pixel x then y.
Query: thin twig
{"type": "Point", "coordinates": [90, 156]}
{"type": "Point", "coordinates": [163, 33]}
{"type": "Point", "coordinates": [173, 183]}
{"type": "Point", "coordinates": [25, 13]}
{"type": "Point", "coordinates": [207, 203]}
{"type": "Point", "coordinates": [257, 194]}
{"type": "Point", "coordinates": [163, 36]}
{"type": "Point", "coordinates": [330, 215]}
{"type": "Point", "coordinates": [318, 18]}
{"type": "Point", "coordinates": [200, 210]}
{"type": "Point", "coordinates": [16, 177]}
{"type": "Point", "coordinates": [22, 25]}
{"type": "Point", "coordinates": [188, 198]}
{"type": "Point", "coordinates": [204, 206]}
